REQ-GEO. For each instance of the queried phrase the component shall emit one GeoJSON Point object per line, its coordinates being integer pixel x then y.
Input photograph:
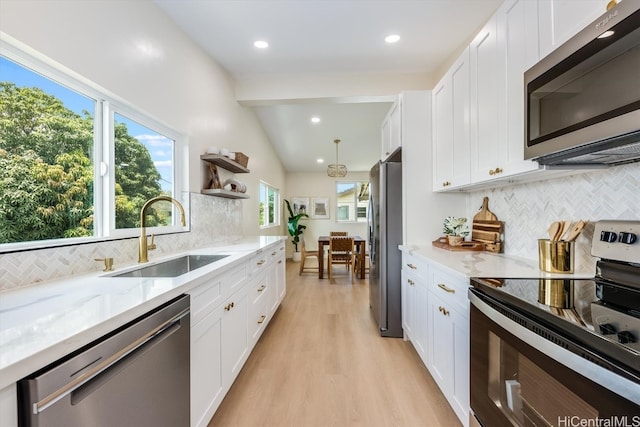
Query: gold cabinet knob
{"type": "Point", "coordinates": [495, 171]}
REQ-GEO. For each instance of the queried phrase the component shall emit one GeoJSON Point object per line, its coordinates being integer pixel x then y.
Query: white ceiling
{"type": "Point", "coordinates": [328, 38]}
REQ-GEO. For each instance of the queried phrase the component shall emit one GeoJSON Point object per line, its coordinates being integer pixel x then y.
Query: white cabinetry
{"type": "Point", "coordinates": [500, 54]}
{"type": "Point", "coordinates": [9, 406]}
{"type": "Point", "coordinates": [435, 318]}
{"type": "Point", "coordinates": [562, 19]}
{"type": "Point", "coordinates": [391, 131]}
{"type": "Point", "coordinates": [229, 312]}
{"type": "Point", "coordinates": [518, 50]}
{"type": "Point", "coordinates": [450, 114]}
{"type": "Point", "coordinates": [448, 332]}
{"type": "Point", "coordinates": [414, 303]}
{"type": "Point", "coordinates": [486, 88]}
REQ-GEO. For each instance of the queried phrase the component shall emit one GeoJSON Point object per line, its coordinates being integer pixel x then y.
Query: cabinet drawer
{"type": "Point", "coordinates": [415, 266]}
{"type": "Point", "coordinates": [234, 280]}
{"type": "Point", "coordinates": [206, 297]}
{"type": "Point", "coordinates": [258, 288]}
{"type": "Point", "coordinates": [259, 262]}
{"type": "Point", "coordinates": [451, 289]}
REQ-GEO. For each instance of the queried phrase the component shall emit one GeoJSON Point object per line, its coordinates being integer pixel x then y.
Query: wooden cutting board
{"type": "Point", "coordinates": [487, 231]}
{"type": "Point", "coordinates": [465, 246]}
{"type": "Point", "coordinates": [485, 214]}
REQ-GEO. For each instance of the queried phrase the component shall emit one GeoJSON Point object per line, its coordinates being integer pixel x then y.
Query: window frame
{"type": "Point", "coordinates": [355, 203]}
{"type": "Point", "coordinates": [276, 203]}
{"type": "Point", "coordinates": [106, 104]}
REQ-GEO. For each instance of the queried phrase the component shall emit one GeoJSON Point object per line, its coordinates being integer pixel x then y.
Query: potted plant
{"type": "Point", "coordinates": [456, 229]}
{"type": "Point", "coordinates": [295, 228]}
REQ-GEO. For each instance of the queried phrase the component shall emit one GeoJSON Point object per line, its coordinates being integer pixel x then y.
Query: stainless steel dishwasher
{"type": "Point", "coordinates": [138, 375]}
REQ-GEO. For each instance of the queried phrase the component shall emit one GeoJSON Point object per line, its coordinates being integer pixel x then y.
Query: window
{"type": "Point", "coordinates": [269, 205]}
{"type": "Point", "coordinates": [61, 175]}
{"type": "Point", "coordinates": [353, 201]}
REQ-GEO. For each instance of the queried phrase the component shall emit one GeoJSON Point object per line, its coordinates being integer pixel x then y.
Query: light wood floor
{"type": "Point", "coordinates": [321, 362]}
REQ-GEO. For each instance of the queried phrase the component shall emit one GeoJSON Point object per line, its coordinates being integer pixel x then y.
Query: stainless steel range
{"type": "Point", "coordinates": [561, 352]}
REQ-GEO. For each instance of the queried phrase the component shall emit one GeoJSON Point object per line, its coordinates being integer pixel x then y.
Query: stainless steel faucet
{"type": "Point", "coordinates": [143, 248]}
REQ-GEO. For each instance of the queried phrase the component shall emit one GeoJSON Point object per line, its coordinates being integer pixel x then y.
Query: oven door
{"type": "Point", "coordinates": [519, 378]}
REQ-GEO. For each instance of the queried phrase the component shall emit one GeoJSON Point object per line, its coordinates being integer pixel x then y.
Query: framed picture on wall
{"type": "Point", "coordinates": [320, 208]}
{"type": "Point", "coordinates": [300, 205]}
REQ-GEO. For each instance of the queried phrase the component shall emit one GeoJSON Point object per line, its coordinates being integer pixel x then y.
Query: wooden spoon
{"type": "Point", "coordinates": [566, 226]}
{"type": "Point", "coordinates": [553, 230]}
{"type": "Point", "coordinates": [575, 231]}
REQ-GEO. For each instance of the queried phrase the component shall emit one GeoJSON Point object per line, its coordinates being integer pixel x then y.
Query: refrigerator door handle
{"type": "Point", "coordinates": [372, 246]}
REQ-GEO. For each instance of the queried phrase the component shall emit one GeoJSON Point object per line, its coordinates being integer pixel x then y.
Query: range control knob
{"type": "Point", "coordinates": [626, 337]}
{"type": "Point", "coordinates": [608, 236]}
{"type": "Point", "coordinates": [607, 329]}
{"type": "Point", "coordinates": [628, 238]}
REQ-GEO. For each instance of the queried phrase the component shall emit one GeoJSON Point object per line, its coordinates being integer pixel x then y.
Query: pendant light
{"type": "Point", "coordinates": [337, 170]}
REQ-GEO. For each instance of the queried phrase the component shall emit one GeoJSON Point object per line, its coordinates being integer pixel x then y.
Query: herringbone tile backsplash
{"type": "Point", "coordinates": [528, 209]}
{"type": "Point", "coordinates": [214, 220]}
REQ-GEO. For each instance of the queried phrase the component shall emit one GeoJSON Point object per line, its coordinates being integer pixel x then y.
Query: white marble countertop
{"type": "Point", "coordinates": [486, 264]}
{"type": "Point", "coordinates": [42, 323]}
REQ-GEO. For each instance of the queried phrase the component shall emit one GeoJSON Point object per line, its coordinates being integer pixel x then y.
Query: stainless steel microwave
{"type": "Point", "coordinates": [582, 102]}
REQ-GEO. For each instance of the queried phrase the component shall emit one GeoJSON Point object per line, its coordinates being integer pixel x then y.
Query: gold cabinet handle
{"type": "Point", "coordinates": [260, 262]}
{"type": "Point", "coordinates": [280, 262]}
{"type": "Point", "coordinates": [495, 171]}
{"type": "Point", "coordinates": [446, 289]}
{"type": "Point", "coordinates": [443, 310]}
{"type": "Point", "coordinates": [262, 318]}
{"type": "Point", "coordinates": [262, 288]}
{"type": "Point", "coordinates": [446, 184]}
{"type": "Point", "coordinates": [411, 282]}
{"type": "Point", "coordinates": [229, 306]}
{"type": "Point", "coordinates": [273, 253]}
{"type": "Point", "coordinates": [282, 248]}
{"type": "Point", "coordinates": [411, 266]}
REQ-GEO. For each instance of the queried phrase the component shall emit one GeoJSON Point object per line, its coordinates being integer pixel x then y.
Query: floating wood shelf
{"type": "Point", "coordinates": [224, 162]}
{"type": "Point", "coordinates": [224, 193]}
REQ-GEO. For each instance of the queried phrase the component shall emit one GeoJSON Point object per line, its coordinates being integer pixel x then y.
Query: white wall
{"type": "Point", "coordinates": [132, 50]}
{"type": "Point", "coordinates": [138, 54]}
{"type": "Point", "coordinates": [320, 185]}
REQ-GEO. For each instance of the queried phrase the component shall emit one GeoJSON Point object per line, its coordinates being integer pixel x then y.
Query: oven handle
{"type": "Point", "coordinates": [625, 387]}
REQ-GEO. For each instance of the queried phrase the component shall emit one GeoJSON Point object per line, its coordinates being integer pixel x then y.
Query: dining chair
{"type": "Point", "coordinates": [304, 254]}
{"type": "Point", "coordinates": [338, 233]}
{"type": "Point", "coordinates": [341, 251]}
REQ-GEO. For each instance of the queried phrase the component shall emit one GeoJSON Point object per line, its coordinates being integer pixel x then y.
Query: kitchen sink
{"type": "Point", "coordinates": [174, 267]}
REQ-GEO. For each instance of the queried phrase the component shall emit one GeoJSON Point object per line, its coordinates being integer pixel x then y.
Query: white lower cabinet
{"type": "Point", "coordinates": [448, 325]}
{"type": "Point", "coordinates": [414, 303]}
{"type": "Point", "coordinates": [435, 318]}
{"type": "Point", "coordinates": [229, 312]}
{"type": "Point", "coordinates": [9, 406]}
{"type": "Point", "coordinates": [449, 356]}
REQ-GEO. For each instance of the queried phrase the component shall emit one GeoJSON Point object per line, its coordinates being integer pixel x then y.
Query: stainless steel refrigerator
{"type": "Point", "coordinates": [385, 234]}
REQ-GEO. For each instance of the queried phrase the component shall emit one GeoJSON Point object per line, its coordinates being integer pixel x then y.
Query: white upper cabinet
{"type": "Point", "coordinates": [391, 131]}
{"type": "Point", "coordinates": [486, 90]}
{"type": "Point", "coordinates": [450, 100]}
{"type": "Point", "coordinates": [518, 49]}
{"type": "Point", "coordinates": [561, 19]}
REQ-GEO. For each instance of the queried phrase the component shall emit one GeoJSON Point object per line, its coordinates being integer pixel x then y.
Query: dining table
{"type": "Point", "coordinates": [359, 244]}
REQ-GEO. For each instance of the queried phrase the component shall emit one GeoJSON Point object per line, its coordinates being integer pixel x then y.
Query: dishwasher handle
{"type": "Point", "coordinates": [167, 327]}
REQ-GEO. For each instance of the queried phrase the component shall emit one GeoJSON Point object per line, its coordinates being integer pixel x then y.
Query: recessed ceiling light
{"type": "Point", "coordinates": [320, 160]}
{"type": "Point", "coordinates": [261, 44]}
{"type": "Point", "coordinates": [392, 38]}
{"type": "Point", "coordinates": [315, 119]}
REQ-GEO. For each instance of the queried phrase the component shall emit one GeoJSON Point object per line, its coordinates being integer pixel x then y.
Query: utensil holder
{"type": "Point", "coordinates": [556, 256]}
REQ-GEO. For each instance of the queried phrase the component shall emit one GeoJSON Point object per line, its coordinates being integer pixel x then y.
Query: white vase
{"type": "Point", "coordinates": [297, 256]}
